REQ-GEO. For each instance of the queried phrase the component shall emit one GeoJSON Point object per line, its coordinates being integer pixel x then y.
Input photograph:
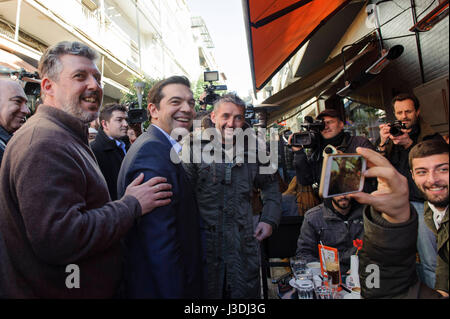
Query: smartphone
{"type": "Point", "coordinates": [342, 174]}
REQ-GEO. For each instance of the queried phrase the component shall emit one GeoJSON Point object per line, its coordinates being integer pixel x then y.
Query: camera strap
{"type": "Point", "coordinates": [384, 144]}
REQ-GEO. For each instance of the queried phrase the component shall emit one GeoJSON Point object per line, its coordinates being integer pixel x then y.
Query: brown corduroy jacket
{"type": "Point", "coordinates": [56, 218]}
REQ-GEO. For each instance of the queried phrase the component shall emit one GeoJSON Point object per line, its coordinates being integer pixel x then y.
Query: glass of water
{"type": "Point", "coordinates": [324, 292]}
{"type": "Point", "coordinates": [297, 263]}
{"type": "Point", "coordinates": [305, 289]}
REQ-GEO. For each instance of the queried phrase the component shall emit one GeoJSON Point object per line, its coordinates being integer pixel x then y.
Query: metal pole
{"type": "Point", "coordinates": [138, 35]}
{"type": "Point", "coordinates": [102, 15]}
{"type": "Point", "coordinates": [419, 50]}
{"type": "Point", "coordinates": [16, 34]}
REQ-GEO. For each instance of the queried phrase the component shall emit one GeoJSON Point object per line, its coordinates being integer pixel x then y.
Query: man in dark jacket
{"type": "Point", "coordinates": [108, 146]}
{"type": "Point", "coordinates": [13, 110]}
{"type": "Point", "coordinates": [335, 223]}
{"type": "Point", "coordinates": [164, 255]}
{"type": "Point", "coordinates": [309, 167]}
{"type": "Point", "coordinates": [223, 189]}
{"type": "Point", "coordinates": [387, 261]}
{"type": "Point", "coordinates": [396, 149]}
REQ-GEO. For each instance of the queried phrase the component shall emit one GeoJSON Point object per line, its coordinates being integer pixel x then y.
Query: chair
{"type": "Point", "coordinates": [281, 244]}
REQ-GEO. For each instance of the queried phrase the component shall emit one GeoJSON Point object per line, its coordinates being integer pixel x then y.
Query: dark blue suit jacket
{"type": "Point", "coordinates": [163, 250]}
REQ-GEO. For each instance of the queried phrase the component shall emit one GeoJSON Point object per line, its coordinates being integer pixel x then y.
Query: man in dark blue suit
{"type": "Point", "coordinates": [164, 257]}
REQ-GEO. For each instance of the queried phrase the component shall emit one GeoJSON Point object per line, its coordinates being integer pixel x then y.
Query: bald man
{"type": "Point", "coordinates": [13, 110]}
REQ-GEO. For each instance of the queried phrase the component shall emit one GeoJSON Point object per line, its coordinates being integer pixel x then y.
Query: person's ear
{"type": "Point", "coordinates": [153, 110]}
{"type": "Point", "coordinates": [213, 117]}
{"type": "Point", "coordinates": [104, 124]}
{"type": "Point", "coordinates": [47, 87]}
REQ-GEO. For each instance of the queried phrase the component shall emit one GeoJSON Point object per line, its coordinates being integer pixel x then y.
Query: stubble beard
{"type": "Point", "coordinates": [74, 109]}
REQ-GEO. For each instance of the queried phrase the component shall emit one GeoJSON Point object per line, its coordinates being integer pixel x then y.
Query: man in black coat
{"type": "Point", "coordinates": [308, 167]}
{"type": "Point", "coordinates": [108, 146]}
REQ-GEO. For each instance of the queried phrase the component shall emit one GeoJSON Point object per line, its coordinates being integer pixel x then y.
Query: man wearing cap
{"type": "Point", "coordinates": [308, 168]}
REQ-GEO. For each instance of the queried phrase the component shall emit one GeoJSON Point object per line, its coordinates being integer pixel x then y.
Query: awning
{"type": "Point", "coordinates": [276, 30]}
{"type": "Point", "coordinates": [330, 74]}
{"type": "Point", "coordinates": [11, 62]}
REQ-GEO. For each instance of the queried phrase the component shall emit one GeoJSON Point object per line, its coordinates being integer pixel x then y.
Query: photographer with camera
{"type": "Point", "coordinates": [328, 129]}
{"type": "Point", "coordinates": [396, 141]}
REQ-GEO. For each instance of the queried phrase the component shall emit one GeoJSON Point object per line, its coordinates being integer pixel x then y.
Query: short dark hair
{"type": "Point", "coordinates": [230, 98]}
{"type": "Point", "coordinates": [428, 148]}
{"type": "Point", "coordinates": [155, 94]}
{"type": "Point", "coordinates": [108, 109]}
{"type": "Point", "coordinates": [406, 96]}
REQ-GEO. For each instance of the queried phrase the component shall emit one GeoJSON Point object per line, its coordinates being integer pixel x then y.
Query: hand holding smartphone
{"type": "Point", "coordinates": [342, 174]}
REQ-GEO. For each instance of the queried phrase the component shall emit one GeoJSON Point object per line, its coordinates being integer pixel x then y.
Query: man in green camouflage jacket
{"type": "Point", "coordinates": [223, 186]}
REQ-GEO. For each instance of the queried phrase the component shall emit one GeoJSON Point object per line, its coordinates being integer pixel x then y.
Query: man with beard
{"type": "Point", "coordinates": [396, 149]}
{"type": "Point", "coordinates": [108, 147]}
{"type": "Point", "coordinates": [387, 261]}
{"type": "Point", "coordinates": [61, 233]}
{"type": "Point", "coordinates": [335, 223]}
{"type": "Point", "coordinates": [429, 168]}
{"type": "Point", "coordinates": [13, 111]}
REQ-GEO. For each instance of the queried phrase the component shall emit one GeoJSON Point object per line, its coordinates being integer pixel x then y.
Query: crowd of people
{"type": "Point", "coordinates": [81, 188]}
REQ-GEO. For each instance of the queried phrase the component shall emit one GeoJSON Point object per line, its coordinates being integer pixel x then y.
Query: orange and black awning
{"type": "Point", "coordinates": [277, 29]}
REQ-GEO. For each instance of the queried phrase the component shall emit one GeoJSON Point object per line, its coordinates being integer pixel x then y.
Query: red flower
{"type": "Point", "coordinates": [358, 243]}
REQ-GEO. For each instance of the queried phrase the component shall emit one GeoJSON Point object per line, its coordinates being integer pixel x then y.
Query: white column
{"type": "Point", "coordinates": [16, 35]}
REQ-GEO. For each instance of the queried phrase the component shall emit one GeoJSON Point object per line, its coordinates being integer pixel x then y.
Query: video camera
{"type": "Point", "coordinates": [32, 81]}
{"type": "Point", "coordinates": [310, 136]}
{"type": "Point", "coordinates": [211, 96]}
{"type": "Point", "coordinates": [395, 129]}
{"type": "Point", "coordinates": [135, 114]}
{"type": "Point", "coordinates": [250, 115]}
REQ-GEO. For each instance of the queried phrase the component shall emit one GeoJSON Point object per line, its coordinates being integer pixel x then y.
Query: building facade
{"type": "Point", "coordinates": [308, 83]}
{"type": "Point", "coordinates": [135, 38]}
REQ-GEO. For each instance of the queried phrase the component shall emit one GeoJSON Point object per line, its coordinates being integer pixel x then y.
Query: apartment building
{"type": "Point", "coordinates": [135, 38]}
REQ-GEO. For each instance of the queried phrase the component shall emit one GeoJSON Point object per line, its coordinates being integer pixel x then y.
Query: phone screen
{"type": "Point", "coordinates": [343, 175]}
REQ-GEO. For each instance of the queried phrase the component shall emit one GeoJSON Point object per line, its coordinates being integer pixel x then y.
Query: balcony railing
{"type": "Point", "coordinates": [101, 30]}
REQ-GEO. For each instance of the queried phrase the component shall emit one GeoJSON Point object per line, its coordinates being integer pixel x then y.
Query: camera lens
{"type": "Point", "coordinates": [395, 131]}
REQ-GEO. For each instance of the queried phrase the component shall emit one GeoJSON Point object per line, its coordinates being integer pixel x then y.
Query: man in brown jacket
{"type": "Point", "coordinates": [60, 231]}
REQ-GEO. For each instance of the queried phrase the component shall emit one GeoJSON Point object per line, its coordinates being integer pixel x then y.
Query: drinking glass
{"type": "Point", "coordinates": [323, 292]}
{"type": "Point", "coordinates": [303, 274]}
{"type": "Point", "coordinates": [305, 289]}
{"type": "Point", "coordinates": [297, 263]}
{"type": "Point", "coordinates": [333, 272]}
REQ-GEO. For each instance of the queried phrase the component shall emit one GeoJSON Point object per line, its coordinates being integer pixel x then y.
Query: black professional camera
{"type": "Point", "coordinates": [310, 136]}
{"type": "Point", "coordinates": [250, 115]}
{"type": "Point", "coordinates": [32, 81]}
{"type": "Point", "coordinates": [136, 115]}
{"type": "Point", "coordinates": [211, 96]}
{"type": "Point", "coordinates": [395, 129]}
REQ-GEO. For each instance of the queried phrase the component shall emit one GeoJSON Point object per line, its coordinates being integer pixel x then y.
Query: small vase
{"type": "Point", "coordinates": [353, 279]}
